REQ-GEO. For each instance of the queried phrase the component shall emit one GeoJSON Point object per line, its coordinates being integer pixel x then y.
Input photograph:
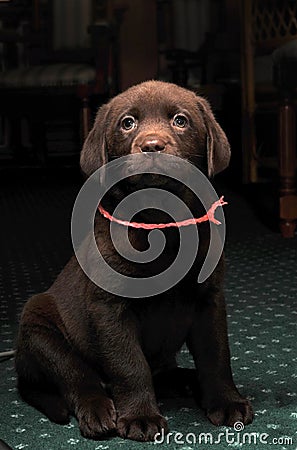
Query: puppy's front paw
{"type": "Point", "coordinates": [96, 416]}
{"type": "Point", "coordinates": [141, 428]}
{"type": "Point", "coordinates": [228, 413]}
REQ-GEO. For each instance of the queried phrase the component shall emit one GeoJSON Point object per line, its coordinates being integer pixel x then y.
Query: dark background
{"type": "Point", "coordinates": [192, 42]}
{"type": "Point", "coordinates": [195, 43]}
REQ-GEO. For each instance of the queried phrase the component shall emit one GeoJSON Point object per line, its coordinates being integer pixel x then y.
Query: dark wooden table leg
{"type": "Point", "coordinates": [287, 168]}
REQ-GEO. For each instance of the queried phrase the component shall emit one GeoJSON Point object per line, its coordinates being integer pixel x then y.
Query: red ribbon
{"type": "Point", "coordinates": [184, 223]}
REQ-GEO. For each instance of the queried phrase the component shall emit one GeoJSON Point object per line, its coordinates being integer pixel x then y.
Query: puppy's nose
{"type": "Point", "coordinates": [153, 144]}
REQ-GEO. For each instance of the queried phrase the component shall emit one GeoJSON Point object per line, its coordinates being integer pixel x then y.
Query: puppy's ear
{"type": "Point", "coordinates": [94, 151]}
{"type": "Point", "coordinates": [218, 148]}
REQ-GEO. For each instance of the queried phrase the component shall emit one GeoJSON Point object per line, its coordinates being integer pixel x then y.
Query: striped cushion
{"type": "Point", "coordinates": [51, 75]}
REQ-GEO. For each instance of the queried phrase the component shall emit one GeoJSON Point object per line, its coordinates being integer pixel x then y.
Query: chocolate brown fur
{"type": "Point", "coordinates": [85, 352]}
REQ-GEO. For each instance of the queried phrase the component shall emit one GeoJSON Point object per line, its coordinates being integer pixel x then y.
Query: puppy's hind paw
{"type": "Point", "coordinates": [141, 428]}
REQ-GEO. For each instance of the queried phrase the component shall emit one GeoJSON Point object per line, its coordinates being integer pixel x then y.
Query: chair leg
{"type": "Point", "coordinates": [85, 117]}
{"type": "Point", "coordinates": [15, 141]}
{"type": "Point", "coordinates": [85, 112]}
{"type": "Point", "coordinates": [38, 140]}
{"type": "Point", "coordinates": [250, 165]}
{"type": "Point", "coordinates": [287, 168]}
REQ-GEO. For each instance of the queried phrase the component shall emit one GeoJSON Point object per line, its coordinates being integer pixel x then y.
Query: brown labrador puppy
{"type": "Point", "coordinates": [76, 339]}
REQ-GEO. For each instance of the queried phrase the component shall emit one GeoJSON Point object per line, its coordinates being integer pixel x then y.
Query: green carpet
{"type": "Point", "coordinates": [261, 293]}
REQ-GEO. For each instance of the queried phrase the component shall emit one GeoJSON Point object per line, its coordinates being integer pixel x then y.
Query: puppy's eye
{"type": "Point", "coordinates": [128, 123]}
{"type": "Point", "coordinates": [180, 121]}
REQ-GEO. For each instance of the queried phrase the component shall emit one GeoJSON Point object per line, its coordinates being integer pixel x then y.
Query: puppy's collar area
{"type": "Point", "coordinates": [209, 216]}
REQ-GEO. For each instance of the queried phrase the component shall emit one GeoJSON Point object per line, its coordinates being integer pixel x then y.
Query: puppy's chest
{"type": "Point", "coordinates": [164, 324]}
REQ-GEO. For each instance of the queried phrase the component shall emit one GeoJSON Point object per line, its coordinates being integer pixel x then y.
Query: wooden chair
{"type": "Point", "coordinates": [269, 39]}
{"type": "Point", "coordinates": [67, 51]}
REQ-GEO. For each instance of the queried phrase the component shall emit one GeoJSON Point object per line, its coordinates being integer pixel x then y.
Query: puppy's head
{"type": "Point", "coordinates": [156, 117]}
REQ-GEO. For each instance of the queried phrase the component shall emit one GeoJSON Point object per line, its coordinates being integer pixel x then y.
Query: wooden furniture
{"type": "Point", "coordinates": [267, 26]}
{"type": "Point", "coordinates": [65, 51]}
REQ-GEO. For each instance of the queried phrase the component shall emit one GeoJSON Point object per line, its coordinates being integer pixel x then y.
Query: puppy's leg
{"type": "Point", "coordinates": [208, 343]}
{"type": "Point", "coordinates": [53, 377]}
{"type": "Point", "coordinates": [125, 365]}
{"type": "Point", "coordinates": [43, 396]}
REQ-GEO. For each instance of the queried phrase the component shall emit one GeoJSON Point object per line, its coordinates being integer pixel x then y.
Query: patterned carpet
{"type": "Point", "coordinates": [261, 292]}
